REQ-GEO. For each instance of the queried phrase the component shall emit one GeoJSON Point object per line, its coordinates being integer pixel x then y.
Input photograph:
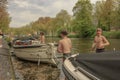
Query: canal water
{"type": "Point", "coordinates": [84, 45]}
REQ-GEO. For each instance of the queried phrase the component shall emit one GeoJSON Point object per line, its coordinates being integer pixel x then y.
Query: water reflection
{"type": "Point", "coordinates": [84, 45]}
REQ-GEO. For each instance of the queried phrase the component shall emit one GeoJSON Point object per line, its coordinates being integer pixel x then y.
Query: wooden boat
{"type": "Point", "coordinates": [102, 66]}
{"type": "Point", "coordinates": [35, 51]}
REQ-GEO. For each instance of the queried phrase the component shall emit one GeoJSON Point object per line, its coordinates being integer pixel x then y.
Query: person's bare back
{"type": "Point", "coordinates": [65, 45]}
{"type": "Point", "coordinates": [42, 37]}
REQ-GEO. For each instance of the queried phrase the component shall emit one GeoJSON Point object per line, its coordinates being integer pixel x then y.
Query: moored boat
{"type": "Point", "coordinates": [33, 50]}
{"type": "Point", "coordinates": [103, 66]}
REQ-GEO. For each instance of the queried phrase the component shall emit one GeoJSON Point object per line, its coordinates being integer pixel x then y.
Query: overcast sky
{"type": "Point", "coordinates": [25, 11]}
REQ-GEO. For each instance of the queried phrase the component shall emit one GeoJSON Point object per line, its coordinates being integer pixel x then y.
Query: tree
{"type": "Point", "coordinates": [62, 20]}
{"type": "Point", "coordinates": [83, 17]}
{"type": "Point", "coordinates": [116, 15]}
{"type": "Point", "coordinates": [104, 14]}
{"type": "Point", "coordinates": [4, 16]}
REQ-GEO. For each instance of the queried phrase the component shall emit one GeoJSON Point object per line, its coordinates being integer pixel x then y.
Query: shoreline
{"type": "Point", "coordinates": [26, 70]}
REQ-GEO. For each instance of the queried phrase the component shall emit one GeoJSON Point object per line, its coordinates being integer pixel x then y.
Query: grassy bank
{"type": "Point", "coordinates": [112, 34]}
{"type": "Point", "coordinates": [107, 34]}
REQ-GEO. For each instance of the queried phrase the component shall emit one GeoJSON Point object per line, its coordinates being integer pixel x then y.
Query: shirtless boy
{"type": "Point", "coordinates": [99, 41]}
{"type": "Point", "coordinates": [64, 45]}
{"type": "Point", "coordinates": [42, 37]}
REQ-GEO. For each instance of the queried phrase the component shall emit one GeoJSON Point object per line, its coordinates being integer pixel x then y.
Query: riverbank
{"type": "Point", "coordinates": [112, 34]}
{"type": "Point", "coordinates": [26, 70]}
{"type": "Point", "coordinates": [108, 34]}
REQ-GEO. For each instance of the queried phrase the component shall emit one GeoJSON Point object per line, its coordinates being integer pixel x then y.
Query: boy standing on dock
{"type": "Point", "coordinates": [64, 45]}
{"type": "Point", "coordinates": [99, 41]}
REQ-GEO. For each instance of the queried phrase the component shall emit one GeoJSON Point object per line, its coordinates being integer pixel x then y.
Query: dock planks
{"type": "Point", "coordinates": [6, 72]}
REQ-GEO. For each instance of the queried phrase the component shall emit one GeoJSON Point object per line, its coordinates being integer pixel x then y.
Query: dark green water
{"type": "Point", "coordinates": [84, 45]}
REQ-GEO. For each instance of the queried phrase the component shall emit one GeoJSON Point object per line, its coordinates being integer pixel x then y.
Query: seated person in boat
{"type": "Point", "coordinates": [64, 45]}
{"type": "Point", "coordinates": [99, 41]}
{"type": "Point", "coordinates": [1, 35]}
{"type": "Point", "coordinates": [42, 37]}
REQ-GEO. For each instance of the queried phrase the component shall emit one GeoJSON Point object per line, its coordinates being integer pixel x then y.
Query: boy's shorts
{"type": "Point", "coordinates": [100, 50]}
{"type": "Point", "coordinates": [66, 55]}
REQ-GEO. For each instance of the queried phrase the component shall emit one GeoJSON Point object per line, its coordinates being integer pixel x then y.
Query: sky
{"type": "Point", "coordinates": [23, 12]}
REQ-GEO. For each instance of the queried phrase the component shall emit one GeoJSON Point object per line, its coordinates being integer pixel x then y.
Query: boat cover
{"type": "Point", "coordinates": [104, 66]}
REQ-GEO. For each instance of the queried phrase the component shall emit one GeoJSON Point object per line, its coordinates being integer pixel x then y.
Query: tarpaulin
{"type": "Point", "coordinates": [104, 66]}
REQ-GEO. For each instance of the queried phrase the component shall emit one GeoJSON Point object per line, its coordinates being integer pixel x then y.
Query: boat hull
{"type": "Point", "coordinates": [102, 66]}
{"type": "Point", "coordinates": [35, 53]}
{"type": "Point", "coordinates": [71, 73]}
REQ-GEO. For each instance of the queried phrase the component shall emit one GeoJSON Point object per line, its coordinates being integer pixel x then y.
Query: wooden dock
{"type": "Point", "coordinates": [6, 71]}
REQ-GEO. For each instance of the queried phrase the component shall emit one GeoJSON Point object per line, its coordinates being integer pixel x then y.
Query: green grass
{"type": "Point", "coordinates": [112, 34]}
{"type": "Point", "coordinates": [108, 34]}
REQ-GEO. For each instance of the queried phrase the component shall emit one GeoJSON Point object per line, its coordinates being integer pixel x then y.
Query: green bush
{"type": "Point", "coordinates": [112, 34]}
{"type": "Point", "coordinates": [86, 32]}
